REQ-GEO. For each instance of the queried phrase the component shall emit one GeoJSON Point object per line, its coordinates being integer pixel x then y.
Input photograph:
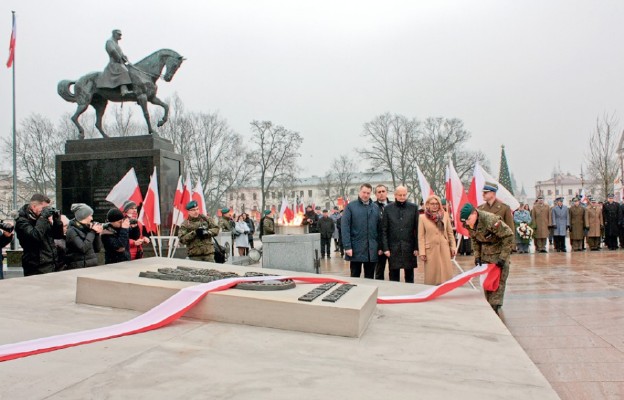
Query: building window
{"type": "Point", "coordinates": [231, 196]}
{"type": "Point", "coordinates": [301, 193]}
{"type": "Point", "coordinates": [549, 192]}
{"type": "Point", "coordinates": [327, 205]}
{"type": "Point", "coordinates": [242, 196]}
{"type": "Point", "coordinates": [327, 192]}
{"type": "Point", "coordinates": [570, 191]}
{"type": "Point", "coordinates": [557, 192]}
{"type": "Point", "coordinates": [351, 191]}
{"type": "Point", "coordinates": [309, 193]}
{"type": "Point", "coordinates": [254, 196]}
{"type": "Point", "coordinates": [272, 195]}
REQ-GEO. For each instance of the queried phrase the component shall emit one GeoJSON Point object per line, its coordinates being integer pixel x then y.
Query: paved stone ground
{"type": "Point", "coordinates": [567, 312]}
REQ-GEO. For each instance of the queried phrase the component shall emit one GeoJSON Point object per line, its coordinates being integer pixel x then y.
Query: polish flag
{"type": "Point", "coordinates": [198, 196]}
{"type": "Point", "coordinates": [12, 44]}
{"type": "Point", "coordinates": [286, 214]}
{"type": "Point", "coordinates": [150, 212]}
{"type": "Point", "coordinates": [456, 197]}
{"type": "Point", "coordinates": [425, 189]}
{"type": "Point", "coordinates": [126, 189]}
{"type": "Point", "coordinates": [480, 176]}
{"type": "Point", "coordinates": [178, 214]}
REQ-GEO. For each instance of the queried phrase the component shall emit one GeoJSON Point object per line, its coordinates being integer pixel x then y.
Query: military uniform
{"type": "Point", "coordinates": [199, 249]}
{"type": "Point", "coordinates": [611, 219]}
{"type": "Point", "coordinates": [492, 241]}
{"type": "Point", "coordinates": [225, 224]}
{"type": "Point", "coordinates": [594, 225]}
{"type": "Point", "coordinates": [267, 226]}
{"type": "Point", "coordinates": [577, 227]}
{"type": "Point", "coordinates": [542, 218]}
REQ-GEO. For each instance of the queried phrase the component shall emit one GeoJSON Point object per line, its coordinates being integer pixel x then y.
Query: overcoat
{"type": "Point", "coordinates": [82, 245]}
{"type": "Point", "coordinates": [577, 222]}
{"type": "Point", "coordinates": [560, 219]}
{"type": "Point", "coordinates": [360, 230]}
{"type": "Point", "coordinates": [611, 218]}
{"type": "Point", "coordinates": [400, 234]}
{"type": "Point", "coordinates": [540, 214]}
{"type": "Point", "coordinates": [436, 244]}
{"type": "Point", "coordinates": [593, 221]}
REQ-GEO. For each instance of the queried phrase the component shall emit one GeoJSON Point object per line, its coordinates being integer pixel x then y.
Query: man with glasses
{"type": "Point", "coordinates": [381, 196]}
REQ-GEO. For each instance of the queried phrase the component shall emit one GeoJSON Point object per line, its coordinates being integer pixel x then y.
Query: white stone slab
{"type": "Point", "coordinates": [123, 288]}
{"type": "Point", "coordinates": [291, 252]}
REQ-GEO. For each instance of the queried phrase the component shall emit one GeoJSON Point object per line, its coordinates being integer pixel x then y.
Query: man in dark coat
{"type": "Point", "coordinates": [381, 199]}
{"type": "Point", "coordinates": [399, 236]}
{"type": "Point", "coordinates": [360, 233]}
{"type": "Point", "coordinates": [326, 229]}
{"type": "Point", "coordinates": [115, 237]}
{"type": "Point", "coordinates": [611, 219]}
{"type": "Point", "coordinates": [36, 226]}
{"type": "Point", "coordinates": [310, 218]}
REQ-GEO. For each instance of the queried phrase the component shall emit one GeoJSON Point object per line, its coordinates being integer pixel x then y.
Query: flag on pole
{"type": "Point", "coordinates": [479, 178]}
{"type": "Point", "coordinates": [198, 196]}
{"type": "Point", "coordinates": [425, 189]}
{"type": "Point", "coordinates": [9, 63]}
{"type": "Point", "coordinates": [456, 196]}
{"type": "Point", "coordinates": [126, 189]}
{"type": "Point", "coordinates": [150, 212]}
{"type": "Point", "coordinates": [178, 214]}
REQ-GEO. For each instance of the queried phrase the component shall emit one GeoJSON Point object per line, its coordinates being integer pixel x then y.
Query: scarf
{"type": "Point", "coordinates": [437, 218]}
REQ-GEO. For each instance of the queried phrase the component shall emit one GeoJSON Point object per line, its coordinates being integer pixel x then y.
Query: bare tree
{"type": "Point", "coordinates": [37, 144]}
{"type": "Point", "coordinates": [343, 170]}
{"type": "Point", "coordinates": [275, 153]}
{"type": "Point", "coordinates": [601, 158]}
{"type": "Point", "coordinates": [122, 122]}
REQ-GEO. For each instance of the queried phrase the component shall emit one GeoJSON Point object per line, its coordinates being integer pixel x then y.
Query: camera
{"type": "Point", "coordinates": [106, 225]}
{"type": "Point", "coordinates": [133, 221]}
{"type": "Point", "coordinates": [6, 227]}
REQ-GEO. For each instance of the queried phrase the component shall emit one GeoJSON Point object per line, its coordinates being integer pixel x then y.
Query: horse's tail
{"type": "Point", "coordinates": [64, 92]}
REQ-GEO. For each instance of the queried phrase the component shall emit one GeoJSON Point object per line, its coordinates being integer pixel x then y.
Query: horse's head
{"type": "Point", "coordinates": [172, 63]}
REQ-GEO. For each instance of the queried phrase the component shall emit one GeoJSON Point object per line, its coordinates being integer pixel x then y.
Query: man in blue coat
{"type": "Point", "coordinates": [360, 233]}
{"type": "Point", "coordinates": [561, 223]}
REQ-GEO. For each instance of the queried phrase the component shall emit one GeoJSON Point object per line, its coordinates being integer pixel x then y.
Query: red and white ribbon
{"type": "Point", "coordinates": [178, 304]}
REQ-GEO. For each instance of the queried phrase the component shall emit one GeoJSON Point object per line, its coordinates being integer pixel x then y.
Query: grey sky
{"type": "Point", "coordinates": [532, 75]}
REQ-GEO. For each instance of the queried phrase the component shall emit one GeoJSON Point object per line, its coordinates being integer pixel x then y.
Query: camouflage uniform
{"type": "Point", "coordinates": [225, 224]}
{"type": "Point", "coordinates": [267, 226]}
{"type": "Point", "coordinates": [198, 249]}
{"type": "Point", "coordinates": [492, 241]}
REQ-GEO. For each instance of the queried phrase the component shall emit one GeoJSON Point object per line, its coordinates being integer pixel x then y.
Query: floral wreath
{"type": "Point", "coordinates": [525, 231]}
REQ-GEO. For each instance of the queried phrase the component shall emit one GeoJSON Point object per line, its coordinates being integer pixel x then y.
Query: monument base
{"type": "Point", "coordinates": [291, 252]}
{"type": "Point", "coordinates": [123, 288]}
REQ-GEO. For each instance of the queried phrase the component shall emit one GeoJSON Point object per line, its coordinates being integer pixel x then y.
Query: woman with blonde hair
{"type": "Point", "coordinates": [436, 242]}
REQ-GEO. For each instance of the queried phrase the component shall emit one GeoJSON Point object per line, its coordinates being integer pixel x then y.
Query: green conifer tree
{"type": "Point", "coordinates": [504, 178]}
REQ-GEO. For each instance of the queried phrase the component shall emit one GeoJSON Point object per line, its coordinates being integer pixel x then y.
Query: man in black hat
{"type": "Point", "coordinates": [115, 237]}
{"type": "Point", "coordinates": [611, 218]}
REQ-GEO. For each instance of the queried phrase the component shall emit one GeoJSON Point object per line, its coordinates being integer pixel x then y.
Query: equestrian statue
{"type": "Point", "coordinates": [121, 81]}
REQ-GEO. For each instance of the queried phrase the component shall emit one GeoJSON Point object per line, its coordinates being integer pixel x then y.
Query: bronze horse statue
{"type": "Point", "coordinates": [143, 75]}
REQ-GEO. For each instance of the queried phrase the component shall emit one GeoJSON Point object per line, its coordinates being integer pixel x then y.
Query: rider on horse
{"type": "Point", "coordinates": [116, 73]}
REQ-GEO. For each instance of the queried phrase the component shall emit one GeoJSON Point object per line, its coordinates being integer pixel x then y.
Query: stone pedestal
{"type": "Point", "coordinates": [291, 229]}
{"type": "Point", "coordinates": [14, 258]}
{"type": "Point", "coordinates": [90, 168]}
{"type": "Point", "coordinates": [291, 252]}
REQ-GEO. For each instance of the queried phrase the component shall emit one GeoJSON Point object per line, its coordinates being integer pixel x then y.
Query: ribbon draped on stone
{"type": "Point", "coordinates": [185, 299]}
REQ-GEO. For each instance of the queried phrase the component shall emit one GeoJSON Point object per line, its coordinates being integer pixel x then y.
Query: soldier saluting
{"type": "Point", "coordinates": [492, 241]}
{"type": "Point", "coordinates": [197, 233]}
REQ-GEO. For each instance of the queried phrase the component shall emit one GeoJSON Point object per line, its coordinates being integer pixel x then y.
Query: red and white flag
{"type": "Point", "coordinates": [286, 213]}
{"type": "Point", "coordinates": [12, 45]}
{"type": "Point", "coordinates": [425, 188]}
{"type": "Point", "coordinates": [198, 196]}
{"type": "Point", "coordinates": [126, 189]}
{"type": "Point", "coordinates": [479, 178]}
{"type": "Point", "coordinates": [150, 212]}
{"type": "Point", "coordinates": [178, 214]}
{"type": "Point", "coordinates": [456, 197]}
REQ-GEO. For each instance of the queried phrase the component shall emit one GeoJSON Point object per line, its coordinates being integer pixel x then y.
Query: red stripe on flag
{"type": "Point", "coordinates": [12, 44]}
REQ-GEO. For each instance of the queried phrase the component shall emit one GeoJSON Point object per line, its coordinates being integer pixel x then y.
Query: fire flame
{"type": "Point", "coordinates": [295, 221]}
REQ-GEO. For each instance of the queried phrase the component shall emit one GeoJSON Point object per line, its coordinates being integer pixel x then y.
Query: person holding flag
{"type": "Point", "coordinates": [197, 233]}
{"type": "Point", "coordinates": [135, 233]}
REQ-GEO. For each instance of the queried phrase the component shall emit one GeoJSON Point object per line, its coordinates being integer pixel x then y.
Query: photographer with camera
{"type": "Point", "coordinates": [6, 236]}
{"type": "Point", "coordinates": [115, 237]}
{"type": "Point", "coordinates": [83, 238]}
{"type": "Point", "coordinates": [197, 233]}
{"type": "Point", "coordinates": [135, 232]}
{"type": "Point", "coordinates": [36, 226]}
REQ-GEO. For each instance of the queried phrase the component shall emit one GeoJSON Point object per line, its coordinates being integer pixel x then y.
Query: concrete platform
{"type": "Point", "coordinates": [451, 348]}
{"type": "Point", "coordinates": [123, 288]}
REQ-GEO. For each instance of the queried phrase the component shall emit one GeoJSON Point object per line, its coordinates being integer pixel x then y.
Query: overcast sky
{"type": "Point", "coordinates": [532, 75]}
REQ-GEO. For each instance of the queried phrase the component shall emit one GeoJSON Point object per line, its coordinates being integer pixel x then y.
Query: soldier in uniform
{"type": "Point", "coordinates": [594, 225]}
{"type": "Point", "coordinates": [492, 241]}
{"type": "Point", "coordinates": [226, 224]}
{"type": "Point", "coordinates": [611, 219]}
{"type": "Point", "coordinates": [561, 223]}
{"type": "Point", "coordinates": [116, 73]}
{"type": "Point", "coordinates": [577, 224]}
{"type": "Point", "coordinates": [495, 206]}
{"type": "Point", "coordinates": [267, 224]}
{"type": "Point", "coordinates": [197, 233]}
{"type": "Point", "coordinates": [541, 217]}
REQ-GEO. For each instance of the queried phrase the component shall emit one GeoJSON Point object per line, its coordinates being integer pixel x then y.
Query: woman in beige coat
{"type": "Point", "coordinates": [436, 242]}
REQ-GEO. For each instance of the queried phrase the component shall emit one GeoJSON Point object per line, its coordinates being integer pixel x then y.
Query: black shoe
{"type": "Point", "coordinates": [328, 257]}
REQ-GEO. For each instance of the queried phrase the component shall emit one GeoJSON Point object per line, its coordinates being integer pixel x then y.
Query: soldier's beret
{"type": "Point", "coordinates": [465, 212]}
{"type": "Point", "coordinates": [318, 208]}
{"type": "Point", "coordinates": [225, 210]}
{"type": "Point", "coordinates": [490, 187]}
{"type": "Point", "coordinates": [325, 210]}
{"type": "Point", "coordinates": [267, 212]}
{"type": "Point", "coordinates": [191, 204]}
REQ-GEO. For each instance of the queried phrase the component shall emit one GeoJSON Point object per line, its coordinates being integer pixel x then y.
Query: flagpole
{"type": "Point", "coordinates": [13, 243]}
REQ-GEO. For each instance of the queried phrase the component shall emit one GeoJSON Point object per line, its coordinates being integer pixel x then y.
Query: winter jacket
{"type": "Point", "coordinates": [36, 236]}
{"type": "Point", "coordinates": [114, 239]}
{"type": "Point", "coordinates": [400, 234]}
{"type": "Point", "coordinates": [360, 230]}
{"type": "Point", "coordinates": [82, 245]}
{"type": "Point", "coordinates": [326, 227]}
